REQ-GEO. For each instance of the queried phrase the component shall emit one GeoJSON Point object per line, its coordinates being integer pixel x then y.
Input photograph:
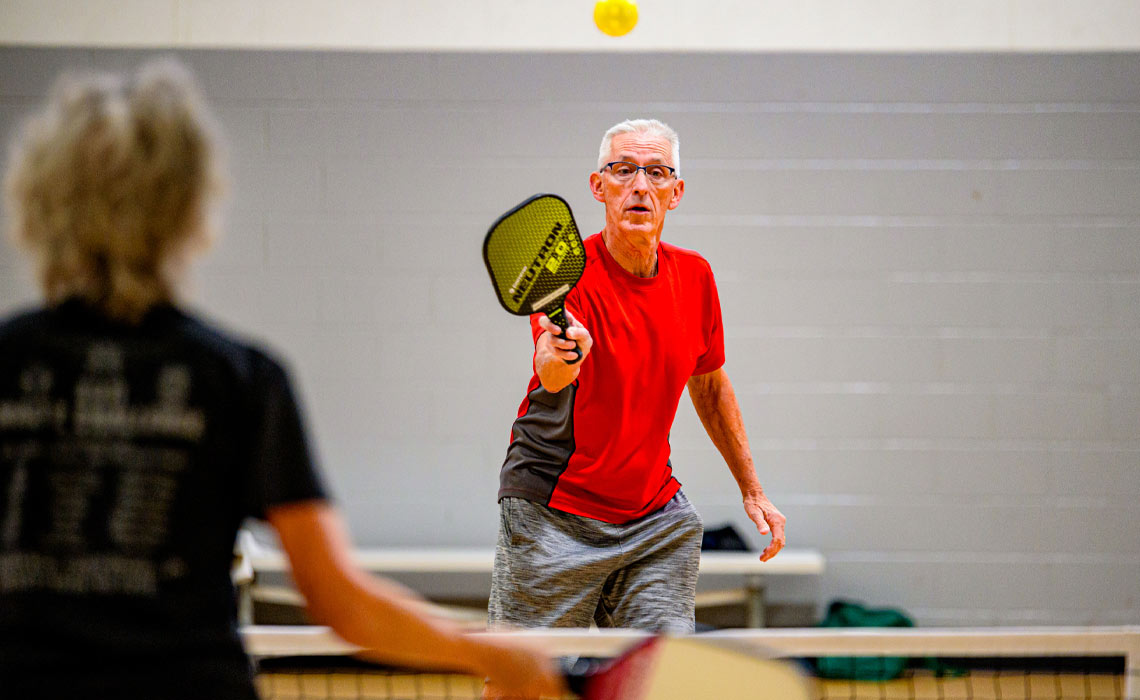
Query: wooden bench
{"type": "Point", "coordinates": [255, 559]}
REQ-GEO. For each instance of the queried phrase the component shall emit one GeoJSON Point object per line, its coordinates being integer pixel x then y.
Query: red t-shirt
{"type": "Point", "coordinates": [600, 447]}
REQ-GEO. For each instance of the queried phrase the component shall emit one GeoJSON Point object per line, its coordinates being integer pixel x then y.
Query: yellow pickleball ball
{"type": "Point", "coordinates": [615, 17]}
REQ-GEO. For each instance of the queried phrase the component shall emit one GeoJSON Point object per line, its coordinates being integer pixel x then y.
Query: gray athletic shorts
{"type": "Point", "coordinates": [554, 569]}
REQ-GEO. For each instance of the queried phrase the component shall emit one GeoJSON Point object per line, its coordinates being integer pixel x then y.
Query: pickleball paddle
{"type": "Point", "coordinates": [685, 668]}
{"type": "Point", "coordinates": [534, 255]}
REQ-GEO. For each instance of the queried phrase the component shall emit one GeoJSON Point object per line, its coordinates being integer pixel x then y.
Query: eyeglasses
{"type": "Point", "coordinates": [624, 171]}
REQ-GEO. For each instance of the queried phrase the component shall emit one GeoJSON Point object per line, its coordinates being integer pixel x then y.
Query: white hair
{"type": "Point", "coordinates": [650, 127]}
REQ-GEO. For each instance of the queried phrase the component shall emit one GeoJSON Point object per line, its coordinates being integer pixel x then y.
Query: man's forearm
{"type": "Point", "coordinates": [715, 403]}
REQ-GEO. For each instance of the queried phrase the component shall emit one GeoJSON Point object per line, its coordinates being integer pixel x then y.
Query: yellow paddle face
{"type": "Point", "coordinates": [535, 257]}
{"type": "Point", "coordinates": [687, 668]}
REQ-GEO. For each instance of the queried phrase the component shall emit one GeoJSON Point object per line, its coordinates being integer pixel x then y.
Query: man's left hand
{"type": "Point", "coordinates": [768, 519]}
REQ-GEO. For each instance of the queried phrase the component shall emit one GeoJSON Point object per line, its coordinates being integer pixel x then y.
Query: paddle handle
{"type": "Point", "coordinates": [558, 317]}
{"type": "Point", "coordinates": [577, 672]}
{"type": "Point", "coordinates": [623, 678]}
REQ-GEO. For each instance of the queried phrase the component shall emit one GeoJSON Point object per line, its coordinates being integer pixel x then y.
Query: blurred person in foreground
{"type": "Point", "coordinates": [135, 438]}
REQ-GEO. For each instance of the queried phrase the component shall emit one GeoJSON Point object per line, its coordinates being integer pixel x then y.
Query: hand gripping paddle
{"type": "Point", "coordinates": [687, 668]}
{"type": "Point", "coordinates": [535, 257]}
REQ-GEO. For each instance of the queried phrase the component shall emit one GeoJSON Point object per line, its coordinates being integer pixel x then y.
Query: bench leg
{"type": "Point", "coordinates": [755, 588]}
{"type": "Point", "coordinates": [245, 601]}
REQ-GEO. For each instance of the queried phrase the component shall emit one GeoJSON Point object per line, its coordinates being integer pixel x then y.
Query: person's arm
{"type": "Point", "coordinates": [551, 353]}
{"type": "Point", "coordinates": [386, 619]}
{"type": "Point", "coordinates": [715, 403]}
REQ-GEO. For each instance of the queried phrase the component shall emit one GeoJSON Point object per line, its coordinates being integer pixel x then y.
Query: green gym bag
{"type": "Point", "coordinates": [842, 613]}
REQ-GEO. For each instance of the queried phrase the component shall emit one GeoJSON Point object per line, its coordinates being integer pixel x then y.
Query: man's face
{"type": "Point", "coordinates": [635, 210]}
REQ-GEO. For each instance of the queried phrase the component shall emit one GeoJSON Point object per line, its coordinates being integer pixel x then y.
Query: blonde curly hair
{"type": "Point", "coordinates": [109, 187]}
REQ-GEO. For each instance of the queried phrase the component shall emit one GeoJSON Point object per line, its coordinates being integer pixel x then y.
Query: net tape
{"type": "Point", "coordinates": [1098, 663]}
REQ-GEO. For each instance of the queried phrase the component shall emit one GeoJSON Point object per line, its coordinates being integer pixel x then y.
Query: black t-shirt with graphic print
{"type": "Point", "coordinates": [129, 456]}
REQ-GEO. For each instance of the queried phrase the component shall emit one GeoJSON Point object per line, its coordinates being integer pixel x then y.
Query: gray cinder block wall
{"type": "Point", "coordinates": [929, 268]}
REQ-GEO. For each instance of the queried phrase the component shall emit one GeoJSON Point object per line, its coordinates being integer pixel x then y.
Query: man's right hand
{"type": "Point", "coordinates": [554, 349]}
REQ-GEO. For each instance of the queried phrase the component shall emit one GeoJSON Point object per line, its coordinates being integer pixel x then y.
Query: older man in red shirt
{"type": "Point", "coordinates": [593, 524]}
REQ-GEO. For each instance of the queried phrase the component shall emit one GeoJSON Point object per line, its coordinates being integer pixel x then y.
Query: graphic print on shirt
{"type": "Point", "coordinates": [89, 476]}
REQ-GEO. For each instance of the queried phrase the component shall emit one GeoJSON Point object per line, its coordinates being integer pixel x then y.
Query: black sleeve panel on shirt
{"type": "Point", "coordinates": [542, 442]}
{"type": "Point", "coordinates": [281, 468]}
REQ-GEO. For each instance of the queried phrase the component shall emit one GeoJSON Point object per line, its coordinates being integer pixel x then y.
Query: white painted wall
{"type": "Point", "coordinates": [567, 25]}
{"type": "Point", "coordinates": [929, 266]}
